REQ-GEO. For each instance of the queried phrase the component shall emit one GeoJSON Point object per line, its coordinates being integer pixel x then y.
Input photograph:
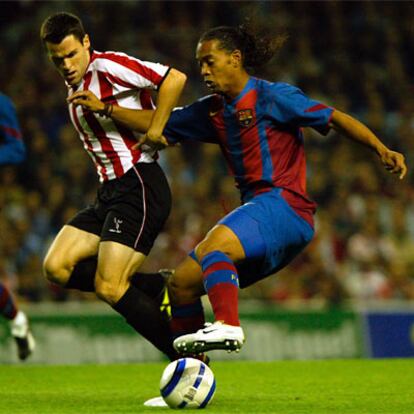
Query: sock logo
{"type": "Point", "coordinates": [235, 278]}
{"type": "Point", "coordinates": [117, 223]}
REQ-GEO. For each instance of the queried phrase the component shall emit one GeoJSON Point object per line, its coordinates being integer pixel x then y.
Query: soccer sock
{"type": "Point", "coordinates": [144, 315]}
{"type": "Point", "coordinates": [7, 306]}
{"type": "Point", "coordinates": [186, 318]}
{"type": "Point", "coordinates": [83, 278]}
{"type": "Point", "coordinates": [221, 283]}
{"type": "Point", "coordinates": [152, 284]}
{"type": "Point", "coordinates": [83, 275]}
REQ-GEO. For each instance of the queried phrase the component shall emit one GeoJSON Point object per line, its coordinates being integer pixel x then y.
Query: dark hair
{"type": "Point", "coordinates": [59, 25]}
{"type": "Point", "coordinates": [256, 50]}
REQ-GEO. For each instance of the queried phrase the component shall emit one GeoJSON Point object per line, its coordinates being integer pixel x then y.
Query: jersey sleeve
{"type": "Point", "coordinates": [289, 105]}
{"type": "Point", "coordinates": [12, 149]}
{"type": "Point", "coordinates": [131, 72]}
{"type": "Point", "coordinates": [191, 123]}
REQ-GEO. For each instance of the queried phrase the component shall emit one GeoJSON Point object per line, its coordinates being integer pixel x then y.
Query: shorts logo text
{"type": "Point", "coordinates": [117, 223]}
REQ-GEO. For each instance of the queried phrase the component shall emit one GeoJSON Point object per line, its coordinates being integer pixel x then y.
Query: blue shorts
{"type": "Point", "coordinates": [271, 233]}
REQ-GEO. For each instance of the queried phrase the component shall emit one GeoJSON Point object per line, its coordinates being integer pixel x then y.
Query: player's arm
{"type": "Point", "coordinates": [137, 119]}
{"type": "Point", "coordinates": [167, 99]}
{"type": "Point", "coordinates": [357, 131]}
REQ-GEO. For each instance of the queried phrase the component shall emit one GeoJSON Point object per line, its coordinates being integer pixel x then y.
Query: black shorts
{"type": "Point", "coordinates": [130, 210]}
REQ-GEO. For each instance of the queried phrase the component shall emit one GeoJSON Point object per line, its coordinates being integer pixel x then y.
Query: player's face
{"type": "Point", "coordinates": [217, 66]}
{"type": "Point", "coordinates": [70, 57]}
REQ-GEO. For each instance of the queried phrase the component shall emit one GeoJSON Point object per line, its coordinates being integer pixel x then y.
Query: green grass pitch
{"type": "Point", "coordinates": [285, 387]}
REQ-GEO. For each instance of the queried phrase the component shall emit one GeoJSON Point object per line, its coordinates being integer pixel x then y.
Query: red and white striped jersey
{"type": "Point", "coordinates": [121, 80]}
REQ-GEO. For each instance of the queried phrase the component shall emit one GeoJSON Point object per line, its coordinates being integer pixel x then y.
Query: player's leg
{"type": "Point", "coordinates": [116, 264]}
{"type": "Point", "coordinates": [19, 324]}
{"type": "Point", "coordinates": [266, 232]}
{"type": "Point", "coordinates": [139, 204]}
{"type": "Point", "coordinates": [185, 290]}
{"type": "Point", "coordinates": [216, 275]}
{"type": "Point", "coordinates": [71, 246]}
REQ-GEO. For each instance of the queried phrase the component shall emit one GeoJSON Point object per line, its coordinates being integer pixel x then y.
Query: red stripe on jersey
{"type": "Point", "coordinates": [120, 81]}
{"type": "Point", "coordinates": [217, 119]}
{"type": "Point", "coordinates": [15, 133]}
{"type": "Point", "coordinates": [129, 140]}
{"type": "Point", "coordinates": [289, 171]}
{"type": "Point", "coordinates": [97, 161]}
{"type": "Point", "coordinates": [126, 134]}
{"type": "Point", "coordinates": [105, 88]}
{"type": "Point", "coordinates": [250, 138]}
{"type": "Point", "coordinates": [100, 133]}
{"type": "Point", "coordinates": [133, 65]}
{"type": "Point", "coordinates": [317, 107]}
{"type": "Point", "coordinates": [146, 100]}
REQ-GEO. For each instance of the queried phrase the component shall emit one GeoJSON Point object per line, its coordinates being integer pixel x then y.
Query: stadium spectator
{"type": "Point", "coordinates": [12, 151]}
{"type": "Point", "coordinates": [103, 245]}
{"type": "Point", "coordinates": [343, 55]}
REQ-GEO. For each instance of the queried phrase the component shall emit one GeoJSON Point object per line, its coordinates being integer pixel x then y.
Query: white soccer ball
{"type": "Point", "coordinates": [187, 383]}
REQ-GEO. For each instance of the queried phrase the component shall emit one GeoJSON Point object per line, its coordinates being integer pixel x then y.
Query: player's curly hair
{"type": "Point", "coordinates": [59, 25]}
{"type": "Point", "coordinates": [256, 49]}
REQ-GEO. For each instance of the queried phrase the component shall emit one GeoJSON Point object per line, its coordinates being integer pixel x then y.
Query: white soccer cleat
{"type": "Point", "coordinates": [217, 335]}
{"type": "Point", "coordinates": [20, 331]}
{"type": "Point", "coordinates": [155, 402]}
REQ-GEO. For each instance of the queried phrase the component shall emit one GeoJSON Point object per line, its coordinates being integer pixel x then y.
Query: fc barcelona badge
{"type": "Point", "coordinates": [245, 117]}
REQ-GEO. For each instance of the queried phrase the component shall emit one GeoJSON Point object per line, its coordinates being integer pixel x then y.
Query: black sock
{"type": "Point", "coordinates": [144, 315]}
{"type": "Point", "coordinates": [83, 275]}
{"type": "Point", "coordinates": [152, 284]}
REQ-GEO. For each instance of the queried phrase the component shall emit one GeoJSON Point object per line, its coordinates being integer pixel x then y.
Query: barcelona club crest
{"type": "Point", "coordinates": [245, 117]}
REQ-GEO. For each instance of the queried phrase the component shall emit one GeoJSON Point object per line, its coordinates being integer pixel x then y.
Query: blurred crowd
{"type": "Point", "coordinates": [355, 56]}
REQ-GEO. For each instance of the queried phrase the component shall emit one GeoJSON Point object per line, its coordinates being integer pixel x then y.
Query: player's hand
{"type": "Point", "coordinates": [87, 99]}
{"type": "Point", "coordinates": [153, 140]}
{"type": "Point", "coordinates": [394, 162]}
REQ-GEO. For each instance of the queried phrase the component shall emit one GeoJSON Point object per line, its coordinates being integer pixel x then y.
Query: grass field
{"type": "Point", "coordinates": [352, 386]}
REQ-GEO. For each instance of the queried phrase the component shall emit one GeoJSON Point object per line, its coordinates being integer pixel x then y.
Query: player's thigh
{"type": "Point", "coordinates": [116, 264]}
{"type": "Point", "coordinates": [221, 238]}
{"type": "Point", "coordinates": [70, 246]}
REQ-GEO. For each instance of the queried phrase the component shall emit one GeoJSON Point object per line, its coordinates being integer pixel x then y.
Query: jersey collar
{"type": "Point", "coordinates": [249, 86]}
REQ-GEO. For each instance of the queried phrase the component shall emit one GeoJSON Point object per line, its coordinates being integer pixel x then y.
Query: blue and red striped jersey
{"type": "Point", "coordinates": [12, 149]}
{"type": "Point", "coordinates": [260, 134]}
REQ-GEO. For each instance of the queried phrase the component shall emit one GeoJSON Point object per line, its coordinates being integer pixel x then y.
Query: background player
{"type": "Point", "coordinates": [133, 201]}
{"type": "Point", "coordinates": [12, 151]}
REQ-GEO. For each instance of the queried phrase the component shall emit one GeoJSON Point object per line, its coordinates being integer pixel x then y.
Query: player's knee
{"type": "Point", "coordinates": [107, 290]}
{"type": "Point", "coordinates": [203, 249]}
{"type": "Point", "coordinates": [55, 271]}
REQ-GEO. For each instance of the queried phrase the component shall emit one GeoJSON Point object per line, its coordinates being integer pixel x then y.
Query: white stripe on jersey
{"type": "Point", "coordinates": [117, 78]}
{"type": "Point", "coordinates": [104, 63]}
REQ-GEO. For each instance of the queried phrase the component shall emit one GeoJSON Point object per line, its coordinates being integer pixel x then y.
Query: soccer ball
{"type": "Point", "coordinates": [187, 383]}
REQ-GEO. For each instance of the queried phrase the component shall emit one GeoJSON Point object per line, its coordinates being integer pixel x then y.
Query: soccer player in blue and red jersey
{"type": "Point", "coordinates": [258, 125]}
{"type": "Point", "coordinates": [12, 151]}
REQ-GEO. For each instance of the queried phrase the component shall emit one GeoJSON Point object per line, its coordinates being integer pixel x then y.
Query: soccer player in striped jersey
{"type": "Point", "coordinates": [258, 125]}
{"type": "Point", "coordinates": [112, 238]}
{"type": "Point", "coordinates": [12, 151]}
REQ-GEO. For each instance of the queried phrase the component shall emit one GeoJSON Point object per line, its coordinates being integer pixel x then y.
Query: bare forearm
{"type": "Point", "coordinates": [350, 127]}
{"type": "Point", "coordinates": [138, 120]}
{"type": "Point", "coordinates": [357, 131]}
